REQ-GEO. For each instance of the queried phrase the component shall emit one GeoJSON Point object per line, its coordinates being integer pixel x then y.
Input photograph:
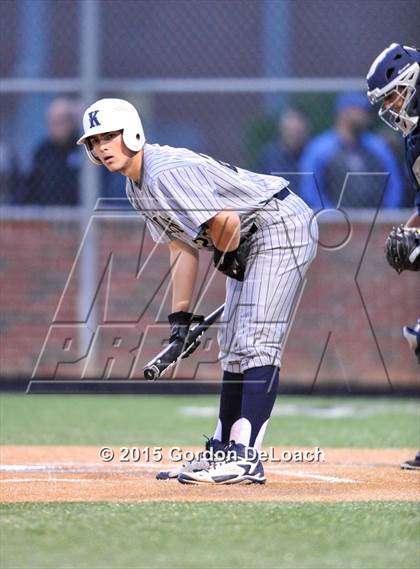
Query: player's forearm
{"type": "Point", "coordinates": [184, 266]}
{"type": "Point", "coordinates": [225, 230]}
{"type": "Point", "coordinates": [414, 221]}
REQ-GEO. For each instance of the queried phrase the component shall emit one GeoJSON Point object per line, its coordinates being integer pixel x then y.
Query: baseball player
{"type": "Point", "coordinates": [394, 80]}
{"type": "Point", "coordinates": [261, 236]}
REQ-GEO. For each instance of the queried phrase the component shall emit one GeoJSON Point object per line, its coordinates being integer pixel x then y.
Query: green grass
{"type": "Point", "coordinates": [159, 420]}
{"type": "Point", "coordinates": [211, 535]}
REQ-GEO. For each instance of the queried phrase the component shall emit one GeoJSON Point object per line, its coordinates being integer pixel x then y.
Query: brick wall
{"type": "Point", "coordinates": [347, 327]}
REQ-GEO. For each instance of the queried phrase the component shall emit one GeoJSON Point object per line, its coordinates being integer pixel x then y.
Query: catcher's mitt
{"type": "Point", "coordinates": [402, 249]}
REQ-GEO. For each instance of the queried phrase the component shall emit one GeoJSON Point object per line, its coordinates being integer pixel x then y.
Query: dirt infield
{"type": "Point", "coordinates": [69, 473]}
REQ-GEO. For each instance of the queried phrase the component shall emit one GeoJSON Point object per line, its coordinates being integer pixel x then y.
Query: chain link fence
{"type": "Point", "coordinates": [258, 138]}
{"type": "Point", "coordinates": [184, 40]}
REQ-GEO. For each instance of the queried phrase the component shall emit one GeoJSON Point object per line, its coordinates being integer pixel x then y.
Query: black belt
{"type": "Point", "coordinates": [282, 194]}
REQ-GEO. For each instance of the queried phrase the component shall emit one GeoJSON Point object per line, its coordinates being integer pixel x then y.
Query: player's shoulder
{"type": "Point", "coordinates": [159, 160]}
{"type": "Point", "coordinates": [412, 156]}
{"type": "Point", "coordinates": [412, 143]}
{"type": "Point", "coordinates": [45, 147]}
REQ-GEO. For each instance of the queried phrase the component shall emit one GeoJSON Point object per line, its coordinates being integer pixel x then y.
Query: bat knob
{"type": "Point", "coordinates": [151, 373]}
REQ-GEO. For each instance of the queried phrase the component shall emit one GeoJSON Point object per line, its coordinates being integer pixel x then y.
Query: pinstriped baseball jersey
{"type": "Point", "coordinates": [181, 190]}
{"type": "Point", "coordinates": [259, 310]}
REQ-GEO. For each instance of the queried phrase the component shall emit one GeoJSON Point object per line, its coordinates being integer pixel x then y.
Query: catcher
{"type": "Point", "coordinates": [394, 79]}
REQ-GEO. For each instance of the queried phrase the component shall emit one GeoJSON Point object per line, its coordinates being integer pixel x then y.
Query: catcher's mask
{"type": "Point", "coordinates": [396, 71]}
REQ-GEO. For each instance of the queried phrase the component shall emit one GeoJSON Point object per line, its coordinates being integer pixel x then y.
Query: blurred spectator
{"type": "Point", "coordinates": [283, 155]}
{"type": "Point", "coordinates": [350, 149]}
{"type": "Point", "coordinates": [54, 177]}
{"type": "Point", "coordinates": [10, 177]}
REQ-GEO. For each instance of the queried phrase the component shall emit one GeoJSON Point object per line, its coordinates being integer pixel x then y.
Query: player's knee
{"type": "Point", "coordinates": [261, 380]}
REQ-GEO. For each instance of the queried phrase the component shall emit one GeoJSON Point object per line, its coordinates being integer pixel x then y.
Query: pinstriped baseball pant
{"type": "Point", "coordinates": [259, 310]}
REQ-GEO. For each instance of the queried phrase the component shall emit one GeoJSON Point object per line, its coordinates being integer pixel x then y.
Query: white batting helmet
{"type": "Point", "coordinates": [108, 115]}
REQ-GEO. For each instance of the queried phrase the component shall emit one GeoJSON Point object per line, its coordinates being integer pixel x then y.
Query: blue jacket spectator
{"type": "Point", "coordinates": [374, 176]}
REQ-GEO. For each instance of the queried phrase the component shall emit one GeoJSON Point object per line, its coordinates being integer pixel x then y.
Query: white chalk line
{"type": "Point", "coordinates": [314, 476]}
{"type": "Point", "coordinates": [93, 469]}
{"type": "Point", "coordinates": [60, 480]}
{"type": "Point", "coordinates": [74, 468]}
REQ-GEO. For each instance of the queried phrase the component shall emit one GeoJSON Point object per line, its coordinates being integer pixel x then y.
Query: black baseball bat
{"type": "Point", "coordinates": [170, 355]}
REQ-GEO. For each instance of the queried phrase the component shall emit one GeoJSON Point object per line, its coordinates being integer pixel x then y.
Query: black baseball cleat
{"type": "Point", "coordinates": [412, 464]}
{"type": "Point", "coordinates": [241, 465]}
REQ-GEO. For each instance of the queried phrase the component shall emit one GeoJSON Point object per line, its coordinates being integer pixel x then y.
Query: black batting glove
{"type": "Point", "coordinates": [227, 262]}
{"type": "Point", "coordinates": [179, 323]}
{"type": "Point", "coordinates": [233, 263]}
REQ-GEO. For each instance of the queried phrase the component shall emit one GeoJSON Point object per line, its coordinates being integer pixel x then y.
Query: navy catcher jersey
{"type": "Point", "coordinates": [181, 190]}
{"type": "Point", "coordinates": [412, 155]}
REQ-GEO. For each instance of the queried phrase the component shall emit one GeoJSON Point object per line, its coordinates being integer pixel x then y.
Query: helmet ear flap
{"type": "Point", "coordinates": [133, 137]}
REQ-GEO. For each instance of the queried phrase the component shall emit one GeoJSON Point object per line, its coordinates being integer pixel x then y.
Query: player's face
{"type": "Point", "coordinates": [394, 101]}
{"type": "Point", "coordinates": [110, 149]}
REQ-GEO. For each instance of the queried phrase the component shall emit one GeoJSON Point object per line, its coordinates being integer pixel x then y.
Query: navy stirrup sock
{"type": "Point", "coordinates": [260, 387]}
{"type": "Point", "coordinates": [230, 402]}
